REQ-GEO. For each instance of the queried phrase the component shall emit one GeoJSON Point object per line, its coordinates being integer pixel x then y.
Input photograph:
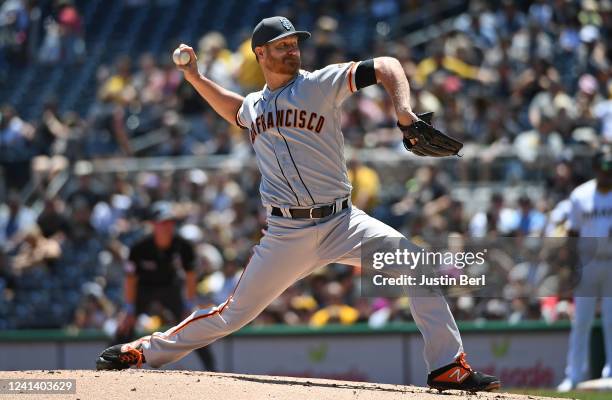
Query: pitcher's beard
{"type": "Point", "coordinates": [291, 67]}
{"type": "Point", "coordinates": [287, 66]}
{"type": "Point", "coordinates": [293, 61]}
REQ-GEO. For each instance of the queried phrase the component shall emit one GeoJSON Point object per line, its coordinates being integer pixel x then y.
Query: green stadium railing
{"type": "Point", "coordinates": [63, 335]}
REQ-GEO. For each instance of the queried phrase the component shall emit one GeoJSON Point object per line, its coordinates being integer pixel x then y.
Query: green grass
{"type": "Point", "coordinates": [569, 395]}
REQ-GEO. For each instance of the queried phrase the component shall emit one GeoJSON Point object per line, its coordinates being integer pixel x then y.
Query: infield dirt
{"type": "Point", "coordinates": [163, 384]}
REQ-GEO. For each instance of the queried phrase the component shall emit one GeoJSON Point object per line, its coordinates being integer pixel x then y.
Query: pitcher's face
{"type": "Point", "coordinates": [281, 56]}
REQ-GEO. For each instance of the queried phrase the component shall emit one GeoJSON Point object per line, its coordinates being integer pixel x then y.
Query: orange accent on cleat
{"type": "Point", "coordinates": [459, 375]}
{"type": "Point", "coordinates": [130, 355]}
{"type": "Point", "coordinates": [463, 363]}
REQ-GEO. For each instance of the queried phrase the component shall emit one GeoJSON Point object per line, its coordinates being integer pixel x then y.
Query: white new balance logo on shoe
{"type": "Point", "coordinates": [457, 373]}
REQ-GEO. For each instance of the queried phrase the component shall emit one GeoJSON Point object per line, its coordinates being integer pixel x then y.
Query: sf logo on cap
{"type": "Point", "coordinates": [286, 24]}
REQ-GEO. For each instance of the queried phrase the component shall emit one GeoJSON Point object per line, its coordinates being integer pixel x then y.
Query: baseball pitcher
{"type": "Point", "coordinates": [294, 126]}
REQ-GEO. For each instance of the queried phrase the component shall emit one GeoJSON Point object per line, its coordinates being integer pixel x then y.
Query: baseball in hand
{"type": "Point", "coordinates": [181, 57]}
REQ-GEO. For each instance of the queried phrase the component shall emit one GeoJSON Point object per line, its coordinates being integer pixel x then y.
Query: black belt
{"type": "Point", "coordinates": [315, 212]}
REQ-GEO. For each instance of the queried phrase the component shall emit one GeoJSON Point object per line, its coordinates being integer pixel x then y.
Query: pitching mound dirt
{"type": "Point", "coordinates": [159, 384]}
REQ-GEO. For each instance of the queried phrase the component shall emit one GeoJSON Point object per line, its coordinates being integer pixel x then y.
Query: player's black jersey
{"type": "Point", "coordinates": [155, 267]}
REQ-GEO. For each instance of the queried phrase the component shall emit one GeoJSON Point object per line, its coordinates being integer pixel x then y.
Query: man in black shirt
{"type": "Point", "coordinates": [154, 277]}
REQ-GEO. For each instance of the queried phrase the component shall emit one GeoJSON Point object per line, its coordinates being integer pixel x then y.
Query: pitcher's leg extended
{"type": "Point", "coordinates": [277, 262]}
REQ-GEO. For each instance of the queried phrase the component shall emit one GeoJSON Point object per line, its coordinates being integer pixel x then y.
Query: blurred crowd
{"type": "Point", "coordinates": [40, 31]}
{"type": "Point", "coordinates": [526, 85]}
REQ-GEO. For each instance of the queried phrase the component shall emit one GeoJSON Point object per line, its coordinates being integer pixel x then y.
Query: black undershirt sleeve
{"type": "Point", "coordinates": [365, 75]}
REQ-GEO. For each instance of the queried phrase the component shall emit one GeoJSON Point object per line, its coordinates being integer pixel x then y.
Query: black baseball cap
{"type": "Point", "coordinates": [274, 28]}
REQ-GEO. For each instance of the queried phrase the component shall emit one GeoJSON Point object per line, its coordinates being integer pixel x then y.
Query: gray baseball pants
{"type": "Point", "coordinates": [290, 250]}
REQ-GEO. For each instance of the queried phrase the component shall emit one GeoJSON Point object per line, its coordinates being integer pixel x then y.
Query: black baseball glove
{"type": "Point", "coordinates": [429, 141]}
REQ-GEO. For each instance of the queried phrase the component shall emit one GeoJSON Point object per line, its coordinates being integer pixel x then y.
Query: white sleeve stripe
{"type": "Point", "coordinates": [352, 84]}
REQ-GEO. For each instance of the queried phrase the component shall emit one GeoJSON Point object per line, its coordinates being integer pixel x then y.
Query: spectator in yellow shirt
{"type": "Point", "coordinates": [440, 61]}
{"type": "Point", "coordinates": [248, 75]}
{"type": "Point", "coordinates": [335, 311]}
{"type": "Point", "coordinates": [366, 185]}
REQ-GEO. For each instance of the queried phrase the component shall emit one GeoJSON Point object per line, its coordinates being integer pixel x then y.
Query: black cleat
{"type": "Point", "coordinates": [120, 356]}
{"type": "Point", "coordinates": [460, 376]}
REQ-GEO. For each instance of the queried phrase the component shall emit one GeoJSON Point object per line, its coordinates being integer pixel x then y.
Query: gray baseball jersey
{"type": "Point", "coordinates": [295, 131]}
